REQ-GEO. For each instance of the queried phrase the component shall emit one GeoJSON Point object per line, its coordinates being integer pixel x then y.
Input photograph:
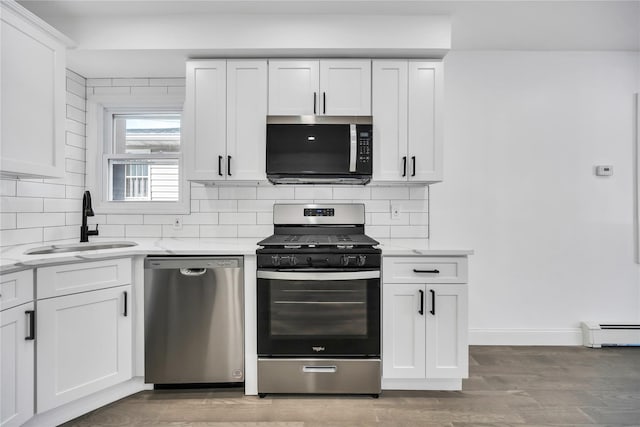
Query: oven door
{"type": "Point", "coordinates": [319, 313]}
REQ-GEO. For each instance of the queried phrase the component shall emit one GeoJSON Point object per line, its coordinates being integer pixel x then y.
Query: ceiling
{"type": "Point", "coordinates": [115, 38]}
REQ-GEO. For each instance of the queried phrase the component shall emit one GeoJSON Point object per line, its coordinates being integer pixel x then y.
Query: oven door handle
{"type": "Point", "coordinates": [315, 276]}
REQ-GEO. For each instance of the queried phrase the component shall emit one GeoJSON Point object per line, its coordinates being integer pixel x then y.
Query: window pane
{"type": "Point", "coordinates": [144, 179]}
{"type": "Point", "coordinates": [146, 134]}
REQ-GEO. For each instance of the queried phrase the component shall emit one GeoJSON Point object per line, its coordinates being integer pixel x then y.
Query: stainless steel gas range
{"type": "Point", "coordinates": [318, 302]}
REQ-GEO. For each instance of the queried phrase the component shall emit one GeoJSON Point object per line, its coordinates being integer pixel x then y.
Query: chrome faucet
{"type": "Point", "coordinates": [87, 210]}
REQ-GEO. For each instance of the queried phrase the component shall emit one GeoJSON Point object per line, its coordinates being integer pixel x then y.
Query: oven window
{"type": "Point", "coordinates": [302, 308]}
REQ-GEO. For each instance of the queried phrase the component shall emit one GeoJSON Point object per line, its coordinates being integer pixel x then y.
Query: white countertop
{"type": "Point", "coordinates": [14, 258]}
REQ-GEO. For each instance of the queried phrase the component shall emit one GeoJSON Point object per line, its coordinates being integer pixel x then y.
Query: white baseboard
{"type": "Point", "coordinates": [568, 336]}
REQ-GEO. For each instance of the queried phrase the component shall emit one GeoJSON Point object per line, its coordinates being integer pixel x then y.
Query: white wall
{"type": "Point", "coordinates": [554, 244]}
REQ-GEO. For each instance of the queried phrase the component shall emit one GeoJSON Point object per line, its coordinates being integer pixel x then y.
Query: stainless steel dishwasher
{"type": "Point", "coordinates": [194, 320]}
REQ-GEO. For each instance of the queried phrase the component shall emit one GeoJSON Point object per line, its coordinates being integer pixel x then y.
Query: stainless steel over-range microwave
{"type": "Point", "coordinates": [319, 149]}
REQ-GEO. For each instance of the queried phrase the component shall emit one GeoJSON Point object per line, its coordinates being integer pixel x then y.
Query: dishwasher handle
{"type": "Point", "coordinates": [193, 272]}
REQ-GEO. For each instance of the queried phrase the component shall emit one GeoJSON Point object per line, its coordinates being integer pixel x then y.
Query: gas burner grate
{"type": "Point", "coordinates": [344, 238]}
{"type": "Point", "coordinates": [292, 239]}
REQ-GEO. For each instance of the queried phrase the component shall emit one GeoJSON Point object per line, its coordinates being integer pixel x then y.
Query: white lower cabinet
{"type": "Point", "coordinates": [84, 344]}
{"type": "Point", "coordinates": [17, 366]}
{"type": "Point", "coordinates": [424, 334]}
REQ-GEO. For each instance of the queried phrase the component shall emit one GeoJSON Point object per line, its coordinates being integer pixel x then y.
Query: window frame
{"type": "Point", "coordinates": [100, 112]}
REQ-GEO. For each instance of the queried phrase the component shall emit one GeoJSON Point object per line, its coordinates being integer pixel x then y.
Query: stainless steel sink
{"type": "Point", "coordinates": [76, 247]}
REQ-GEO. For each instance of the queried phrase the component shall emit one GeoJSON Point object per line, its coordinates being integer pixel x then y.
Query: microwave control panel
{"type": "Point", "coordinates": [364, 149]}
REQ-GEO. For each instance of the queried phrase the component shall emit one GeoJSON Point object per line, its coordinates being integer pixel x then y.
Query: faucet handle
{"type": "Point", "coordinates": [93, 232]}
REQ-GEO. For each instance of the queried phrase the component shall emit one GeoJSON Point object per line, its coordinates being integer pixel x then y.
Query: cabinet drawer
{"type": "Point", "coordinates": [16, 288]}
{"type": "Point", "coordinates": [424, 270]}
{"type": "Point", "coordinates": [80, 277]}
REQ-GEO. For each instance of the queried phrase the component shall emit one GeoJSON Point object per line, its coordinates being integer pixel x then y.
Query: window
{"type": "Point", "coordinates": [136, 146]}
{"type": "Point", "coordinates": [147, 172]}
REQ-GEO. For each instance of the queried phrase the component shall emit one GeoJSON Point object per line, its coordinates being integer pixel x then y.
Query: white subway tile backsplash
{"type": "Point", "coordinates": [7, 187]}
{"type": "Point", "coordinates": [203, 192]}
{"type": "Point", "coordinates": [98, 82]}
{"type": "Point", "coordinates": [195, 206]}
{"type": "Point", "coordinates": [409, 232]}
{"type": "Point", "coordinates": [40, 219]}
{"type": "Point", "coordinates": [7, 221]}
{"type": "Point", "coordinates": [218, 205]}
{"type": "Point", "coordinates": [61, 233]}
{"type": "Point", "coordinates": [21, 204]}
{"type": "Point", "coordinates": [413, 205]}
{"type": "Point", "coordinates": [112, 90]}
{"type": "Point", "coordinates": [75, 218]}
{"type": "Point", "coordinates": [375, 205]}
{"type": "Point", "coordinates": [313, 192]}
{"type": "Point", "coordinates": [255, 205]}
{"type": "Point", "coordinates": [96, 219]}
{"type": "Point", "coordinates": [159, 219]}
{"type": "Point", "coordinates": [257, 231]}
{"type": "Point", "coordinates": [176, 91]}
{"type": "Point", "coordinates": [76, 101]}
{"type": "Point", "coordinates": [76, 87]}
{"type": "Point", "coordinates": [421, 192]}
{"type": "Point", "coordinates": [167, 82]}
{"type": "Point", "coordinates": [218, 231]}
{"type": "Point", "coordinates": [20, 236]}
{"type": "Point", "coordinates": [352, 192]}
{"type": "Point", "coordinates": [75, 77]}
{"type": "Point", "coordinates": [76, 140]}
{"type": "Point", "coordinates": [62, 205]}
{"type": "Point", "coordinates": [237, 218]}
{"type": "Point", "coordinates": [112, 231]}
{"type": "Point", "coordinates": [124, 219]}
{"type": "Point", "coordinates": [237, 193]}
{"type": "Point", "coordinates": [72, 192]}
{"type": "Point", "coordinates": [418, 218]}
{"type": "Point", "coordinates": [384, 218]}
{"type": "Point", "coordinates": [377, 231]}
{"type": "Point", "coordinates": [185, 231]}
{"type": "Point", "coordinates": [72, 178]}
{"type": "Point", "coordinates": [200, 218]}
{"type": "Point", "coordinates": [76, 114]}
{"type": "Point", "coordinates": [264, 218]}
{"type": "Point", "coordinates": [391, 193]}
{"type": "Point", "coordinates": [75, 127]}
{"type": "Point", "coordinates": [130, 82]}
{"type": "Point", "coordinates": [38, 189]}
{"type": "Point", "coordinates": [75, 153]}
{"type": "Point", "coordinates": [149, 90]}
{"type": "Point", "coordinates": [275, 192]}
{"type": "Point", "coordinates": [75, 166]}
{"type": "Point", "coordinates": [142, 230]}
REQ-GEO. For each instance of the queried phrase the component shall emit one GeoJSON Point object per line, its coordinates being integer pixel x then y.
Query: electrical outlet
{"type": "Point", "coordinates": [177, 223]}
{"type": "Point", "coordinates": [395, 211]}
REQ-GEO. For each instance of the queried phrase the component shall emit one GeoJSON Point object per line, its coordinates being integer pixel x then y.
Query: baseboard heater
{"type": "Point", "coordinates": [596, 335]}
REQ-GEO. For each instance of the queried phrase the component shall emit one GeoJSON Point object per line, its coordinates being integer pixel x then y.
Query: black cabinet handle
{"type": "Point", "coordinates": [31, 316]}
{"type": "Point", "coordinates": [315, 96]}
{"type": "Point", "coordinates": [126, 298]}
{"type": "Point", "coordinates": [426, 271]}
{"type": "Point", "coordinates": [324, 102]}
{"type": "Point", "coordinates": [404, 166]}
{"type": "Point", "coordinates": [229, 165]}
{"type": "Point", "coordinates": [421, 311]}
{"type": "Point", "coordinates": [433, 301]}
{"type": "Point", "coordinates": [413, 160]}
{"type": "Point", "coordinates": [220, 165]}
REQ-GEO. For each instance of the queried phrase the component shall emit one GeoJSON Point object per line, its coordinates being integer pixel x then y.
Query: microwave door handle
{"type": "Point", "coordinates": [353, 153]}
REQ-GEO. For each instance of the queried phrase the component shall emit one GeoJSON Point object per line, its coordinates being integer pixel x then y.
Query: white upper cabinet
{"type": "Point", "coordinates": [407, 120]}
{"type": "Point", "coordinates": [339, 87]}
{"type": "Point", "coordinates": [246, 119]}
{"type": "Point", "coordinates": [33, 95]}
{"type": "Point", "coordinates": [225, 120]}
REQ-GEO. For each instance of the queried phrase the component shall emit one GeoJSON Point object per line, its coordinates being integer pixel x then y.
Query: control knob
{"type": "Point", "coordinates": [293, 260]}
{"type": "Point", "coordinates": [361, 260]}
{"type": "Point", "coordinates": [344, 260]}
{"type": "Point", "coordinates": [275, 260]}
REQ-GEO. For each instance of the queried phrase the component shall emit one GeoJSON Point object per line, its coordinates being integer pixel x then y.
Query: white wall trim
{"type": "Point", "coordinates": [560, 336]}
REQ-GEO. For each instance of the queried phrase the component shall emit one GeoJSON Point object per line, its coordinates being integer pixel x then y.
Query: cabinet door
{"type": "Point", "coordinates": [293, 87]}
{"type": "Point", "coordinates": [403, 331]}
{"type": "Point", "coordinates": [345, 87]}
{"type": "Point", "coordinates": [84, 344]}
{"type": "Point", "coordinates": [17, 367]}
{"type": "Point", "coordinates": [205, 120]}
{"type": "Point", "coordinates": [446, 319]}
{"type": "Point", "coordinates": [33, 97]}
{"type": "Point", "coordinates": [425, 122]}
{"type": "Point", "coordinates": [389, 106]}
{"type": "Point", "coordinates": [246, 120]}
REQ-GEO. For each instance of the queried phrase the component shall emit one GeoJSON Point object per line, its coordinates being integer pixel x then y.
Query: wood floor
{"type": "Point", "coordinates": [508, 386]}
